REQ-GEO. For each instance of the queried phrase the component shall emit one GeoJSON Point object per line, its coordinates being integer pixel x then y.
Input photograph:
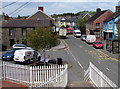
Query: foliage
{"type": "Point", "coordinates": [81, 25]}
{"type": "Point", "coordinates": [73, 14]}
{"type": "Point", "coordinates": [41, 38]}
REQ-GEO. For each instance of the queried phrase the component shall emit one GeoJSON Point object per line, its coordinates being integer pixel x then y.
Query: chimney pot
{"type": "Point", "coordinates": [41, 8]}
{"type": "Point", "coordinates": [98, 10]}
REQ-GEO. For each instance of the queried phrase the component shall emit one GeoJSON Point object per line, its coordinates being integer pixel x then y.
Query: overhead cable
{"type": "Point", "coordinates": [9, 4]}
{"type": "Point", "coordinates": [19, 7]}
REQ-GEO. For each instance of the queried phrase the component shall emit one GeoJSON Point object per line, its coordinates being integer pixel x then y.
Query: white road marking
{"type": "Point", "coordinates": [75, 59]}
{"type": "Point", "coordinates": [108, 69]}
{"type": "Point", "coordinates": [99, 62]}
{"type": "Point", "coordinates": [80, 65]}
{"type": "Point", "coordinates": [80, 46]}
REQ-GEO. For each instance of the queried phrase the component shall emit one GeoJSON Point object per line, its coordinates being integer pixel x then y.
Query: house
{"type": "Point", "coordinates": [84, 16]}
{"type": "Point", "coordinates": [110, 28]}
{"type": "Point", "coordinates": [94, 25]}
{"type": "Point", "coordinates": [40, 15]}
{"type": "Point", "coordinates": [15, 30]}
{"type": "Point", "coordinates": [117, 28]}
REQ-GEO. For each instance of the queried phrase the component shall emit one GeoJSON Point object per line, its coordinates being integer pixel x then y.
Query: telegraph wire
{"type": "Point", "coordinates": [9, 4]}
{"type": "Point", "coordinates": [19, 7]}
{"type": "Point", "coordinates": [22, 8]}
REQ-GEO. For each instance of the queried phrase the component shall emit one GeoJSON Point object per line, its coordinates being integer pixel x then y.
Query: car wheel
{"type": "Point", "coordinates": [39, 58]}
{"type": "Point", "coordinates": [28, 61]}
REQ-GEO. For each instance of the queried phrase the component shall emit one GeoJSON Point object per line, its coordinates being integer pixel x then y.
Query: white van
{"type": "Point", "coordinates": [26, 55]}
{"type": "Point", "coordinates": [62, 32]}
{"type": "Point", "coordinates": [90, 38]}
{"type": "Point", "coordinates": [77, 33]}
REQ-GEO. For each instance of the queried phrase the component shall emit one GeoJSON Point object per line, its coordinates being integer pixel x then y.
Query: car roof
{"type": "Point", "coordinates": [20, 44]}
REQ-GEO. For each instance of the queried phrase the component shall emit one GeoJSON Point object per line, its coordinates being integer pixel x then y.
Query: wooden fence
{"type": "Point", "coordinates": [99, 79]}
{"type": "Point", "coordinates": [36, 76]}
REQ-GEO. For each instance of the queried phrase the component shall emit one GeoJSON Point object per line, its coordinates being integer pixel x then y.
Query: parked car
{"type": "Point", "coordinates": [26, 56]}
{"type": "Point", "coordinates": [83, 37]}
{"type": "Point", "coordinates": [77, 33]}
{"type": "Point", "coordinates": [98, 44]}
{"type": "Point", "coordinates": [19, 46]}
{"type": "Point", "coordinates": [10, 54]}
{"type": "Point", "coordinates": [70, 30]}
{"type": "Point", "coordinates": [90, 39]}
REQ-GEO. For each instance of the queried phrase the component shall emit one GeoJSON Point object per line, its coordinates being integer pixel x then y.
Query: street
{"type": "Point", "coordinates": [79, 54]}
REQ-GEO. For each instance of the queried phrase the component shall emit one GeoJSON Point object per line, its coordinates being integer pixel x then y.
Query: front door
{"type": "Point", "coordinates": [12, 42]}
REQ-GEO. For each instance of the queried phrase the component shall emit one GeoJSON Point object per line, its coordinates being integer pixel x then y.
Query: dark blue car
{"type": "Point", "coordinates": [9, 55]}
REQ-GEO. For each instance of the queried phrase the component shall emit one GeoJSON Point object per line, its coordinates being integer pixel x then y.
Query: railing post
{"type": "Point", "coordinates": [101, 74]}
{"type": "Point", "coordinates": [90, 70]}
{"type": "Point", "coordinates": [31, 77]}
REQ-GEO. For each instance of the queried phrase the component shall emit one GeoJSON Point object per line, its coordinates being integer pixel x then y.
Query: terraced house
{"type": "Point", "coordinates": [110, 27]}
{"type": "Point", "coordinates": [15, 30]}
{"type": "Point", "coordinates": [94, 25]}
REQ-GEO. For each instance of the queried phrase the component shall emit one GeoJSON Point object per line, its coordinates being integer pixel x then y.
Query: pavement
{"type": "Point", "coordinates": [62, 45]}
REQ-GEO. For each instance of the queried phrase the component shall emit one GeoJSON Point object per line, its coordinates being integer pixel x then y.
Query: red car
{"type": "Point", "coordinates": [69, 30]}
{"type": "Point", "coordinates": [98, 44]}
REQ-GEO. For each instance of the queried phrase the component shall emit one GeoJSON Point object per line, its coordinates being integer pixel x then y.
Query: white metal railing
{"type": "Point", "coordinates": [37, 76]}
{"type": "Point", "coordinates": [1, 74]}
{"type": "Point", "coordinates": [98, 78]}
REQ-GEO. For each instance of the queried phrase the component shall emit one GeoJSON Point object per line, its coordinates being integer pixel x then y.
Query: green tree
{"type": "Point", "coordinates": [81, 25]}
{"type": "Point", "coordinates": [41, 38]}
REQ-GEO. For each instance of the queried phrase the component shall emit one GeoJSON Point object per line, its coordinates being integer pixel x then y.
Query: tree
{"type": "Point", "coordinates": [81, 25]}
{"type": "Point", "coordinates": [41, 38]}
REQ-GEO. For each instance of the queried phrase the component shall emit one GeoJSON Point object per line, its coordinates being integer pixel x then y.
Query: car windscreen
{"type": "Point", "coordinates": [19, 45]}
{"type": "Point", "coordinates": [98, 42]}
{"type": "Point", "coordinates": [77, 32]}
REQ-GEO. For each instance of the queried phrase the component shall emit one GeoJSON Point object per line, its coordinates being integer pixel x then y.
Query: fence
{"type": "Point", "coordinates": [1, 70]}
{"type": "Point", "coordinates": [113, 46]}
{"type": "Point", "coordinates": [36, 76]}
{"type": "Point", "coordinates": [98, 78]}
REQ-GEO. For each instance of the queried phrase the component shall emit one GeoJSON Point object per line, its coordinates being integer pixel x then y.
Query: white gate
{"type": "Point", "coordinates": [98, 78]}
{"type": "Point", "coordinates": [36, 76]}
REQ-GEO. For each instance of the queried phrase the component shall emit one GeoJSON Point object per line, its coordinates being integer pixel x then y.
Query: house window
{"type": "Point", "coordinates": [110, 35]}
{"type": "Point", "coordinates": [11, 31]}
{"type": "Point", "coordinates": [110, 25]}
{"type": "Point", "coordinates": [97, 33]}
{"type": "Point", "coordinates": [23, 31]}
{"type": "Point", "coordinates": [97, 25]}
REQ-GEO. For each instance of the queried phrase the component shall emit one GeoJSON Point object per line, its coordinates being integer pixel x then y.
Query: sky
{"type": "Point", "coordinates": [55, 7]}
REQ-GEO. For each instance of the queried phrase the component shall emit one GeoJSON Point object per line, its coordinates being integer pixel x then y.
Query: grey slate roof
{"type": "Point", "coordinates": [25, 23]}
{"type": "Point", "coordinates": [94, 17]}
{"type": "Point", "coordinates": [114, 15]}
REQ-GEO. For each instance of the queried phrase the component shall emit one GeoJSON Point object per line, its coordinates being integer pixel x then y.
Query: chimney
{"type": "Point", "coordinates": [98, 10]}
{"type": "Point", "coordinates": [41, 8]}
{"type": "Point", "coordinates": [118, 7]}
{"type": "Point", "coordinates": [5, 16]}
